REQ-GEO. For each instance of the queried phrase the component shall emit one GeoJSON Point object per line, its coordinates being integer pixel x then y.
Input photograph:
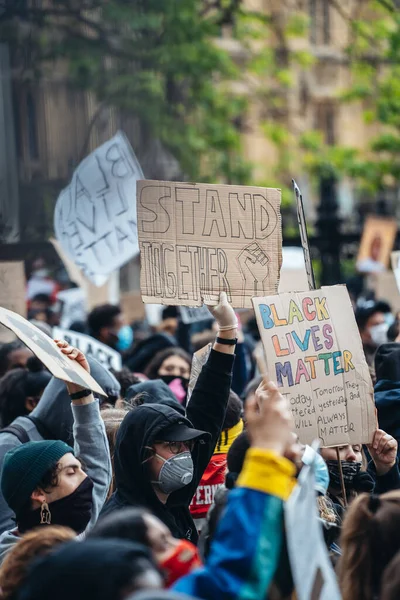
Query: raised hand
{"type": "Point", "coordinates": [383, 451]}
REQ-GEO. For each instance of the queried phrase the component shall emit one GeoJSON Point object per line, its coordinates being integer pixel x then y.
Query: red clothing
{"type": "Point", "coordinates": [213, 478]}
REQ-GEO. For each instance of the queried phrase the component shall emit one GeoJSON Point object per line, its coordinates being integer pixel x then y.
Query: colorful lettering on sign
{"type": "Point", "coordinates": [332, 362]}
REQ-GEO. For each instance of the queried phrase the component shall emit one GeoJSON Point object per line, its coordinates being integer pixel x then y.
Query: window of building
{"type": "Point", "coordinates": [325, 121]}
{"type": "Point", "coordinates": [320, 22]}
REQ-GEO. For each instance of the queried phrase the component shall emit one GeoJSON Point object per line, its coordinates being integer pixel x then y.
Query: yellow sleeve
{"type": "Point", "coordinates": [266, 471]}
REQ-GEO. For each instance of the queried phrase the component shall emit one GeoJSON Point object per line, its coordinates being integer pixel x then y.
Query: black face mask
{"type": "Point", "coordinates": [350, 472]}
{"type": "Point", "coordinates": [72, 511]}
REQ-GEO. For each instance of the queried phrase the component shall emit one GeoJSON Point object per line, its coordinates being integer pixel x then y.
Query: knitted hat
{"type": "Point", "coordinates": [24, 468]}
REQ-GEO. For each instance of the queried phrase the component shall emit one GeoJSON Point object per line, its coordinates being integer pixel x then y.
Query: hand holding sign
{"type": "Point", "coordinates": [268, 417]}
{"type": "Point", "coordinates": [79, 357]}
{"type": "Point", "coordinates": [224, 314]}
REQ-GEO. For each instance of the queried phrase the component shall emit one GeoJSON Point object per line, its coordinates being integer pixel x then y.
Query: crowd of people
{"type": "Point", "coordinates": [173, 485]}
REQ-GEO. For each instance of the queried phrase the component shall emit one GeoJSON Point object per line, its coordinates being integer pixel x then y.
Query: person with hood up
{"type": "Point", "coordinates": [52, 419]}
{"type": "Point", "coordinates": [387, 388]}
{"type": "Point", "coordinates": [160, 455]}
{"type": "Point", "coordinates": [44, 483]}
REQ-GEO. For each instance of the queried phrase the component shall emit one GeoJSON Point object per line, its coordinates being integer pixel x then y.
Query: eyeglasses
{"type": "Point", "coordinates": [178, 447]}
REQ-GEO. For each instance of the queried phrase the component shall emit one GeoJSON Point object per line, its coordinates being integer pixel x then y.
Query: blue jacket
{"type": "Point", "coordinates": [246, 549]}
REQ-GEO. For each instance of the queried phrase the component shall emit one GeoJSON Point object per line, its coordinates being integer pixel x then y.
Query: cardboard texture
{"type": "Point", "coordinates": [197, 240]}
{"type": "Point", "coordinates": [95, 215]}
{"type": "Point", "coordinates": [46, 350]}
{"type": "Point", "coordinates": [109, 358]}
{"type": "Point", "coordinates": [132, 306]}
{"type": "Point", "coordinates": [304, 237]}
{"type": "Point", "coordinates": [12, 293]}
{"type": "Point", "coordinates": [385, 287]}
{"type": "Point", "coordinates": [376, 245]}
{"type": "Point", "coordinates": [395, 259]}
{"type": "Point", "coordinates": [314, 353]}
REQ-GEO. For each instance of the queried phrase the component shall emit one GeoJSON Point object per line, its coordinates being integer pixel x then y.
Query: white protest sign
{"type": "Point", "coordinates": [48, 352]}
{"type": "Point", "coordinates": [395, 259]}
{"type": "Point", "coordinates": [293, 277]}
{"type": "Point", "coordinates": [197, 240]}
{"type": "Point", "coordinates": [313, 575]}
{"type": "Point", "coordinates": [109, 358]}
{"type": "Point", "coordinates": [12, 293]}
{"type": "Point", "coordinates": [314, 353]}
{"type": "Point", "coordinates": [73, 306]}
{"type": "Point", "coordinates": [95, 216]}
{"type": "Point", "coordinates": [194, 315]}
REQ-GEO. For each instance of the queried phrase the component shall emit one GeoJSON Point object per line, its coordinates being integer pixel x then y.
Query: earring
{"type": "Point", "coordinates": [45, 514]}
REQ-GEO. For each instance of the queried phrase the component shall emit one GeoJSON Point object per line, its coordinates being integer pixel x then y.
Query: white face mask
{"type": "Point", "coordinates": [379, 334]}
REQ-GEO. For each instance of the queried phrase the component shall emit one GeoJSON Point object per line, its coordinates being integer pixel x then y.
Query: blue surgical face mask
{"type": "Point", "coordinates": [321, 473]}
{"type": "Point", "coordinates": [125, 338]}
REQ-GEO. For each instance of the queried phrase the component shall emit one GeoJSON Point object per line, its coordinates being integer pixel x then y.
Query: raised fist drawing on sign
{"type": "Point", "coordinates": [253, 263]}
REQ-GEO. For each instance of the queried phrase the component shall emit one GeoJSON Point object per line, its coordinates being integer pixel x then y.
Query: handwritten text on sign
{"type": "Point", "coordinates": [95, 216]}
{"type": "Point", "coordinates": [314, 354]}
{"type": "Point", "coordinates": [197, 240]}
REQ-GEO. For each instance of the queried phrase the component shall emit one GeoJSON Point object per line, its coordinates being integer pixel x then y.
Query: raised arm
{"type": "Point", "coordinates": [90, 440]}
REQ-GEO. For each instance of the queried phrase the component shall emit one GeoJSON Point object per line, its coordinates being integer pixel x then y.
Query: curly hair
{"type": "Point", "coordinates": [38, 542]}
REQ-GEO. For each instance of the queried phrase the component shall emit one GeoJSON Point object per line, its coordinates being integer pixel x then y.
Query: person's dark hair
{"type": "Point", "coordinates": [170, 312]}
{"type": "Point", "coordinates": [5, 351]}
{"type": "Point", "coordinates": [364, 312]}
{"type": "Point", "coordinates": [235, 458]}
{"type": "Point", "coordinates": [233, 411]}
{"type": "Point", "coordinates": [251, 387]}
{"type": "Point", "coordinates": [154, 365]}
{"type": "Point", "coordinates": [102, 316]}
{"type": "Point", "coordinates": [370, 539]}
{"type": "Point", "coordinates": [390, 588]}
{"type": "Point", "coordinates": [45, 298]}
{"type": "Point", "coordinates": [126, 524]}
{"type": "Point", "coordinates": [18, 385]}
{"type": "Point", "coordinates": [49, 481]}
{"type": "Point", "coordinates": [393, 331]}
{"type": "Point", "coordinates": [125, 378]}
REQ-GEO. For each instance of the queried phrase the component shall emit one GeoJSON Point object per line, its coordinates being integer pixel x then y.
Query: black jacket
{"type": "Point", "coordinates": [141, 427]}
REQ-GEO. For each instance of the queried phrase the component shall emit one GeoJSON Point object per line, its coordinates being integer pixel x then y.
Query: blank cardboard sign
{"type": "Point", "coordinates": [314, 353]}
{"type": "Point", "coordinates": [47, 351]}
{"type": "Point", "coordinates": [197, 240]}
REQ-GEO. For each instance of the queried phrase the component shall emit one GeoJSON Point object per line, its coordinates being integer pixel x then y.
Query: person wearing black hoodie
{"type": "Point", "coordinates": [51, 419]}
{"type": "Point", "coordinates": [387, 389]}
{"type": "Point", "coordinates": [160, 455]}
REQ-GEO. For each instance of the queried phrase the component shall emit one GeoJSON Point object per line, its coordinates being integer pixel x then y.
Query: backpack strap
{"type": "Point", "coordinates": [18, 431]}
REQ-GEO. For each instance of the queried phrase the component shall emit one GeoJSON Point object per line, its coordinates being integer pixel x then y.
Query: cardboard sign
{"type": "Point", "coordinates": [313, 575]}
{"type": "Point", "coordinates": [132, 306]}
{"type": "Point", "coordinates": [198, 361]}
{"type": "Point", "coordinates": [47, 351]}
{"type": "Point", "coordinates": [197, 240]}
{"type": "Point", "coordinates": [109, 358]}
{"type": "Point", "coordinates": [12, 293]}
{"type": "Point", "coordinates": [304, 237]}
{"type": "Point", "coordinates": [376, 245]}
{"type": "Point", "coordinates": [385, 288]}
{"type": "Point", "coordinates": [195, 315]}
{"type": "Point", "coordinates": [395, 259]}
{"type": "Point", "coordinates": [73, 306]}
{"type": "Point", "coordinates": [314, 353]}
{"type": "Point", "coordinates": [95, 216]}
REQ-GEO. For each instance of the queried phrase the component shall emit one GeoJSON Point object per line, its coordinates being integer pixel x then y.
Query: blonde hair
{"type": "Point", "coordinates": [370, 539]}
{"type": "Point", "coordinates": [113, 418]}
{"type": "Point", "coordinates": [38, 542]}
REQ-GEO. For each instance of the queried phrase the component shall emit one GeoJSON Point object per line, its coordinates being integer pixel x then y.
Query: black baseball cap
{"type": "Point", "coordinates": [181, 432]}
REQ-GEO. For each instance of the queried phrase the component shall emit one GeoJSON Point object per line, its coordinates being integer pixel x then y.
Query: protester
{"type": "Point", "coordinates": [370, 540]}
{"type": "Point", "coordinates": [33, 544]}
{"type": "Point", "coordinates": [172, 366]}
{"type": "Point", "coordinates": [382, 475]}
{"type": "Point", "coordinates": [21, 390]}
{"type": "Point", "coordinates": [13, 355]}
{"type": "Point", "coordinates": [44, 483]}
{"type": "Point", "coordinates": [113, 418]}
{"type": "Point", "coordinates": [107, 324]}
{"type": "Point", "coordinates": [387, 388]}
{"type": "Point", "coordinates": [125, 378]}
{"type": "Point", "coordinates": [370, 318]}
{"type": "Point", "coordinates": [214, 475]}
{"type": "Point", "coordinates": [153, 392]}
{"type": "Point", "coordinates": [98, 569]}
{"type": "Point", "coordinates": [160, 455]}
{"type": "Point", "coordinates": [52, 419]}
